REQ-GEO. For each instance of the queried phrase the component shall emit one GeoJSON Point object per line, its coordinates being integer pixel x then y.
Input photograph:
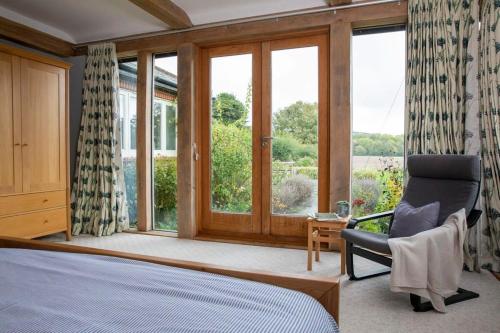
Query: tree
{"type": "Point", "coordinates": [227, 109]}
{"type": "Point", "coordinates": [299, 120]}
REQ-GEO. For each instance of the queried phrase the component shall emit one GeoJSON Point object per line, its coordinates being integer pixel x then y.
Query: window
{"type": "Point", "coordinates": [164, 145]}
{"type": "Point", "coordinates": [128, 125]}
{"type": "Point", "coordinates": [378, 80]}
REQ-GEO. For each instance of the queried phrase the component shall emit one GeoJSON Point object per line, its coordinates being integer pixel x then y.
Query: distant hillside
{"type": "Point", "coordinates": [377, 144]}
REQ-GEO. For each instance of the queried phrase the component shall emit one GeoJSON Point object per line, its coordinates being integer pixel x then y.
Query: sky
{"type": "Point", "coordinates": [378, 74]}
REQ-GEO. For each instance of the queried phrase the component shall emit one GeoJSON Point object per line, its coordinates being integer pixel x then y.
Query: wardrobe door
{"type": "Point", "coordinates": [10, 126]}
{"type": "Point", "coordinates": [43, 126]}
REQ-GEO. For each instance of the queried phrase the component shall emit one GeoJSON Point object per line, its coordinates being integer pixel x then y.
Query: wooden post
{"type": "Point", "coordinates": [187, 55]}
{"type": "Point", "coordinates": [144, 99]}
{"type": "Point", "coordinates": [340, 112]}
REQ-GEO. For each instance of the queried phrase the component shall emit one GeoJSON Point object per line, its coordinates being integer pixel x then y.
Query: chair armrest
{"type": "Point", "coordinates": [473, 217]}
{"type": "Point", "coordinates": [375, 216]}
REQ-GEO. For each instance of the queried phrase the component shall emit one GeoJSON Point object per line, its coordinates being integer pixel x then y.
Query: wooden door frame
{"type": "Point", "coordinates": [221, 221]}
{"type": "Point", "coordinates": [260, 222]}
{"type": "Point", "coordinates": [290, 225]}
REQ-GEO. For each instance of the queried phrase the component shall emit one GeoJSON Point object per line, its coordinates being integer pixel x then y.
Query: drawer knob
{"type": "Point", "coordinates": [45, 200]}
{"type": "Point", "coordinates": [46, 221]}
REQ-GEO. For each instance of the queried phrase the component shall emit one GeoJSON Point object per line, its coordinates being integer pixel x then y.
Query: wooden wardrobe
{"type": "Point", "coordinates": [34, 184]}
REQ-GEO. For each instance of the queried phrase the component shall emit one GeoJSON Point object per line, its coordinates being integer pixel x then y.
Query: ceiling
{"type": "Point", "coordinates": [82, 21]}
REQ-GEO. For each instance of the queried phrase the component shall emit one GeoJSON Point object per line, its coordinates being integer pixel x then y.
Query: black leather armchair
{"type": "Point", "coordinates": [453, 180]}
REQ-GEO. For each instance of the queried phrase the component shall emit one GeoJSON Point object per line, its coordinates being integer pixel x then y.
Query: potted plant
{"type": "Point", "coordinates": [343, 208]}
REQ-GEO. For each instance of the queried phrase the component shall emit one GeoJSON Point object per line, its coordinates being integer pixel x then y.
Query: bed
{"type": "Point", "coordinates": [48, 287]}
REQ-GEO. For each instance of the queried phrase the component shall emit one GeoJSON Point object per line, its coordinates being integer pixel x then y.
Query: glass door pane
{"type": "Point", "coordinates": [231, 133]}
{"type": "Point", "coordinates": [164, 145]}
{"type": "Point", "coordinates": [128, 124]}
{"type": "Point", "coordinates": [294, 100]}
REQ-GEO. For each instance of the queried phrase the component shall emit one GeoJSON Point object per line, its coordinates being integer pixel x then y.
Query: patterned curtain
{"type": "Point", "coordinates": [438, 41]}
{"type": "Point", "coordinates": [489, 50]}
{"type": "Point", "coordinates": [98, 199]}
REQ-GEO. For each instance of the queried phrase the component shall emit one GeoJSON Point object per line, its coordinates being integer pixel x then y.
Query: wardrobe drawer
{"type": "Point", "coordinates": [15, 204]}
{"type": "Point", "coordinates": [34, 224]}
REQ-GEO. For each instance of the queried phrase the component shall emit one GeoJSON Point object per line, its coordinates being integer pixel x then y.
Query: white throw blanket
{"type": "Point", "coordinates": [430, 263]}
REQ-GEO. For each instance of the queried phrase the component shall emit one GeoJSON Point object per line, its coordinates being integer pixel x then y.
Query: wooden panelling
{"type": "Point", "coordinates": [15, 204]}
{"type": "Point", "coordinates": [324, 289]}
{"type": "Point", "coordinates": [43, 105]}
{"type": "Point", "coordinates": [383, 13]}
{"type": "Point", "coordinates": [10, 125]}
{"type": "Point", "coordinates": [31, 37]}
{"type": "Point", "coordinates": [187, 56]}
{"type": "Point", "coordinates": [340, 112]}
{"type": "Point", "coordinates": [144, 99]}
{"type": "Point", "coordinates": [166, 11]}
{"type": "Point", "coordinates": [34, 224]}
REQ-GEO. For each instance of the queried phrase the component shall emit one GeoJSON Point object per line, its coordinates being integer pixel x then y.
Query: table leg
{"type": "Point", "coordinates": [309, 246]}
{"type": "Point", "coordinates": [318, 244]}
{"type": "Point", "coordinates": [342, 256]}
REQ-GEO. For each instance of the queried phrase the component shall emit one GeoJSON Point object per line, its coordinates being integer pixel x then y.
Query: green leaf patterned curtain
{"type": "Point", "coordinates": [98, 199]}
{"type": "Point", "coordinates": [438, 37]}
{"type": "Point", "coordinates": [489, 83]}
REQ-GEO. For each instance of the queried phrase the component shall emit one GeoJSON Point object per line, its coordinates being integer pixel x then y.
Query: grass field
{"type": "Point", "coordinates": [373, 162]}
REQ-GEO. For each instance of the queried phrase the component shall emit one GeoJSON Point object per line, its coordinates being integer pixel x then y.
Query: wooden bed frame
{"type": "Point", "coordinates": [325, 290]}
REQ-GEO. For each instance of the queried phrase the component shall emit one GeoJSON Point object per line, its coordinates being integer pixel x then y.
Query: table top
{"type": "Point", "coordinates": [340, 220]}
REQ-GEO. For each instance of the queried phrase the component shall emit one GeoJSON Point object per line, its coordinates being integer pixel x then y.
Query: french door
{"type": "Point", "coordinates": [264, 137]}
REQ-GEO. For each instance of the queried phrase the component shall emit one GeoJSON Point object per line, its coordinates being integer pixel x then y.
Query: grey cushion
{"type": "Point", "coordinates": [409, 220]}
{"type": "Point", "coordinates": [368, 240]}
{"type": "Point", "coordinates": [456, 167]}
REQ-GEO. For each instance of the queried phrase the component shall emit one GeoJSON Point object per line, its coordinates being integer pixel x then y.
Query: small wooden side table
{"type": "Point", "coordinates": [325, 231]}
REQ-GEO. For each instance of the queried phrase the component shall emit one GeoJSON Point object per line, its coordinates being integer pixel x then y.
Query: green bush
{"type": "Point", "coordinates": [309, 172]}
{"type": "Point", "coordinates": [285, 148]}
{"type": "Point", "coordinates": [306, 161]}
{"type": "Point", "coordinates": [377, 191]}
{"type": "Point", "coordinates": [165, 193]}
{"type": "Point", "coordinates": [231, 168]}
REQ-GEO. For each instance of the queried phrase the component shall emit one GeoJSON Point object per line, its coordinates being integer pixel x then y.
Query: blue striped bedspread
{"type": "Point", "coordinates": [43, 291]}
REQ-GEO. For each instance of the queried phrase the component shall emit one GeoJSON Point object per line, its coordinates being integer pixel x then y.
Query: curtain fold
{"type": "Point", "coordinates": [438, 35]}
{"type": "Point", "coordinates": [489, 73]}
{"type": "Point", "coordinates": [98, 199]}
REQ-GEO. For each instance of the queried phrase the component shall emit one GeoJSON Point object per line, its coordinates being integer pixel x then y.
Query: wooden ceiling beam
{"type": "Point", "coordinates": [35, 38]}
{"type": "Point", "coordinates": [332, 3]}
{"type": "Point", "coordinates": [166, 11]}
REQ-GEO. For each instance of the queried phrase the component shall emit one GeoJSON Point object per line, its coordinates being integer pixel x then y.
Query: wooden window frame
{"type": "Point", "coordinates": [339, 26]}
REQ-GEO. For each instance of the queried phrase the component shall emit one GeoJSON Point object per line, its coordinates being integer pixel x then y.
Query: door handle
{"type": "Point", "coordinates": [265, 140]}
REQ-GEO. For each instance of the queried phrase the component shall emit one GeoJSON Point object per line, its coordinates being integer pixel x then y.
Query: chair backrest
{"type": "Point", "coordinates": [453, 180]}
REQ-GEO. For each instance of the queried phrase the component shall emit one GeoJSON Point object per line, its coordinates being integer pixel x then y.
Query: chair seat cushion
{"type": "Point", "coordinates": [369, 240]}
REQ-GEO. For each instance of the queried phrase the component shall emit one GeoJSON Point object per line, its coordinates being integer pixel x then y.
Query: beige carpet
{"type": "Point", "coordinates": [366, 306]}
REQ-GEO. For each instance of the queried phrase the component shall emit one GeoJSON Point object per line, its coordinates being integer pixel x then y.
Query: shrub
{"type": "Point", "coordinates": [165, 193]}
{"type": "Point", "coordinates": [292, 194]}
{"type": "Point", "coordinates": [285, 148]}
{"type": "Point", "coordinates": [365, 195]}
{"type": "Point", "coordinates": [306, 161]}
{"type": "Point", "coordinates": [309, 172]}
{"type": "Point", "coordinates": [231, 168]}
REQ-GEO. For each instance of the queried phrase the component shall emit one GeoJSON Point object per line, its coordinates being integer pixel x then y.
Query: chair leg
{"type": "Point", "coordinates": [349, 256]}
{"type": "Point", "coordinates": [460, 296]}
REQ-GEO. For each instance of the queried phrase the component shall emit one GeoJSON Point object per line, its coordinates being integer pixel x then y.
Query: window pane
{"type": "Point", "coordinates": [128, 117]}
{"type": "Point", "coordinates": [295, 131]}
{"type": "Point", "coordinates": [164, 145]}
{"type": "Point", "coordinates": [378, 123]}
{"type": "Point", "coordinates": [157, 125]}
{"type": "Point", "coordinates": [231, 133]}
